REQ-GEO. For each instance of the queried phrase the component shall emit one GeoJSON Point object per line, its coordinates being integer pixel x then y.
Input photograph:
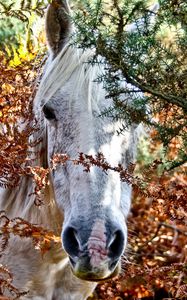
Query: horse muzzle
{"type": "Point", "coordinates": [94, 254]}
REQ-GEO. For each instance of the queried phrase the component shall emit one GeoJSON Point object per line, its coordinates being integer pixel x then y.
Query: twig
{"type": "Point", "coordinates": [173, 227]}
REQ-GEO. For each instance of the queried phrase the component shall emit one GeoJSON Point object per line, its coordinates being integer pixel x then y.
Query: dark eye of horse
{"type": "Point", "coordinates": [49, 113]}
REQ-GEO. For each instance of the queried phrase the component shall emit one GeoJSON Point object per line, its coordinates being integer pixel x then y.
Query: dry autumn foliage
{"type": "Point", "coordinates": [6, 284]}
{"type": "Point", "coordinates": [15, 118]}
{"type": "Point", "coordinates": [42, 239]}
{"type": "Point", "coordinates": [17, 86]}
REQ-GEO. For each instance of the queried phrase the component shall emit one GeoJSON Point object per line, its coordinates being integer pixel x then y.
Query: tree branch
{"type": "Point", "coordinates": [117, 65]}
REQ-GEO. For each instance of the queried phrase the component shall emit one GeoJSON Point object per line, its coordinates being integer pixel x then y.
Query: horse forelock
{"type": "Point", "coordinates": [70, 61]}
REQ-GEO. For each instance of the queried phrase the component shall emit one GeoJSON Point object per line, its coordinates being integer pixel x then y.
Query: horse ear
{"type": "Point", "coordinates": [58, 25]}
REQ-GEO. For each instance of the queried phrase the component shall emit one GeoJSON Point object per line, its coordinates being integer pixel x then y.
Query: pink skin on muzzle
{"type": "Point", "coordinates": [97, 244]}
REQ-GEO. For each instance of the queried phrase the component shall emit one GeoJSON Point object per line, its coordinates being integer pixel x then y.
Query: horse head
{"type": "Point", "coordinates": [95, 204]}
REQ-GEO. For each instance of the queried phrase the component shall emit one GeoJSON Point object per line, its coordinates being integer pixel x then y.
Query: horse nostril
{"type": "Point", "coordinates": [70, 241]}
{"type": "Point", "coordinates": [116, 244]}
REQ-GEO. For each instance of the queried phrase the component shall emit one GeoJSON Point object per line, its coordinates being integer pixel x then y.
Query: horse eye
{"type": "Point", "coordinates": [49, 113]}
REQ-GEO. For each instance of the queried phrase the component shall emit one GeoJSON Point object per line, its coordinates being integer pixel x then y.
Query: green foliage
{"type": "Point", "coordinates": [9, 29]}
{"type": "Point", "coordinates": [17, 19]}
{"type": "Point", "coordinates": [147, 49]}
{"type": "Point", "coordinates": [22, 8]}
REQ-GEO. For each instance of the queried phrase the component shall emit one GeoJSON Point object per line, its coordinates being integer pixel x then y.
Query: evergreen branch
{"type": "Point", "coordinates": [120, 15]}
{"type": "Point", "coordinates": [177, 164]}
{"type": "Point", "coordinates": [115, 64]}
{"type": "Point", "coordinates": [146, 88]}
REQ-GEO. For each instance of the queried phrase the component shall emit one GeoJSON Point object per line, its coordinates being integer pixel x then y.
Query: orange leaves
{"type": "Point", "coordinates": [158, 225]}
{"type": "Point", "coordinates": [14, 94]}
{"type": "Point", "coordinates": [169, 196]}
{"type": "Point", "coordinates": [40, 178]}
{"type": "Point", "coordinates": [7, 286]}
{"type": "Point", "coordinates": [7, 89]}
{"type": "Point", "coordinates": [59, 159]}
{"type": "Point", "coordinates": [42, 239]}
{"type": "Point", "coordinates": [16, 124]}
{"type": "Point", "coordinates": [88, 161]}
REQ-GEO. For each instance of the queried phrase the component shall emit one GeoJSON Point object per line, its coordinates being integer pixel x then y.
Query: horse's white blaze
{"type": "Point", "coordinates": [112, 191]}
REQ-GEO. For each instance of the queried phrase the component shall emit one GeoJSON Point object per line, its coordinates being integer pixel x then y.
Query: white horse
{"type": "Point", "coordinates": [89, 210]}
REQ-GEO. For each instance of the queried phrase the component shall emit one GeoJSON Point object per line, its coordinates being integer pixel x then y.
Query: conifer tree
{"type": "Point", "coordinates": [145, 46]}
